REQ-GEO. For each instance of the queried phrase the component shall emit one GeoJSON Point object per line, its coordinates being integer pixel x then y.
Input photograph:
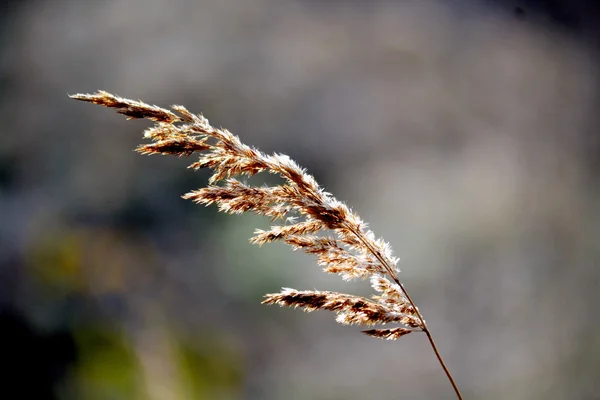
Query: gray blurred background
{"type": "Point", "coordinates": [465, 132]}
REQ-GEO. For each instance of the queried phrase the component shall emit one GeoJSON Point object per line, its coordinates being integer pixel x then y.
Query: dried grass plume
{"type": "Point", "coordinates": [312, 220]}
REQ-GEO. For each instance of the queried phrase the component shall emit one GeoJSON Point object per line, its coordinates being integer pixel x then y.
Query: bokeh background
{"type": "Point", "coordinates": [465, 132]}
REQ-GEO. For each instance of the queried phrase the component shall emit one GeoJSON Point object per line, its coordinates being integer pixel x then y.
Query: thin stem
{"type": "Point", "coordinates": [439, 357]}
{"type": "Point", "coordinates": [424, 327]}
{"type": "Point", "coordinates": [431, 341]}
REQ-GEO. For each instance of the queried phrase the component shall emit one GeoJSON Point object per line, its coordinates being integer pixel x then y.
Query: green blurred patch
{"type": "Point", "coordinates": [209, 367]}
{"type": "Point", "coordinates": [112, 364]}
{"type": "Point", "coordinates": [89, 261]}
{"type": "Point", "coordinates": [107, 367]}
{"type": "Point", "coordinates": [55, 262]}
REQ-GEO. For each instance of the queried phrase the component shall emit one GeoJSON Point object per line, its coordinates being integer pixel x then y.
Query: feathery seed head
{"type": "Point", "coordinates": [317, 222]}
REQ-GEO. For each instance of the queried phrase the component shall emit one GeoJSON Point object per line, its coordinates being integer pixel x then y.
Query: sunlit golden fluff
{"type": "Point", "coordinates": [312, 219]}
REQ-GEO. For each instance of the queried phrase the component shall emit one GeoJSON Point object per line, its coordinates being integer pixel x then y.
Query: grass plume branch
{"type": "Point", "coordinates": [315, 221]}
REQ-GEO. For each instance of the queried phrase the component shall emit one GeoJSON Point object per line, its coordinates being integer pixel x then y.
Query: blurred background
{"type": "Point", "coordinates": [465, 132]}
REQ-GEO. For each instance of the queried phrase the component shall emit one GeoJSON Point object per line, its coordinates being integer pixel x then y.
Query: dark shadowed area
{"type": "Point", "coordinates": [464, 132]}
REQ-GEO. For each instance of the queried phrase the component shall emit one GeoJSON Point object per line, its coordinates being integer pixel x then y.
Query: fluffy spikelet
{"type": "Point", "coordinates": [280, 232]}
{"type": "Point", "coordinates": [351, 310]}
{"type": "Point", "coordinates": [130, 108]}
{"type": "Point", "coordinates": [316, 222]}
{"type": "Point", "coordinates": [175, 146]}
{"type": "Point", "coordinates": [388, 334]}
